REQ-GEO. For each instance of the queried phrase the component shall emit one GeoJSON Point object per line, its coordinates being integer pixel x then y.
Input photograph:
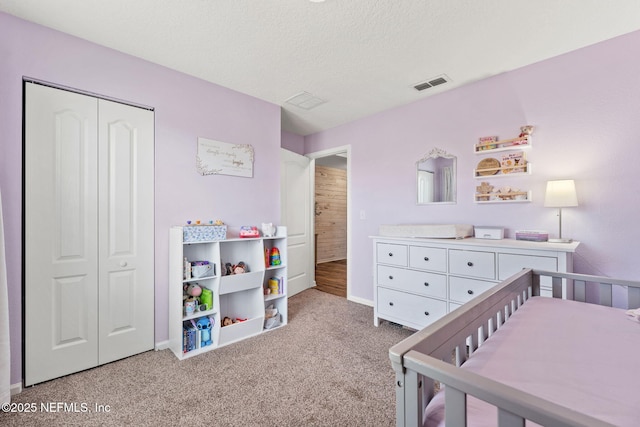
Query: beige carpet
{"type": "Point", "coordinates": [328, 367]}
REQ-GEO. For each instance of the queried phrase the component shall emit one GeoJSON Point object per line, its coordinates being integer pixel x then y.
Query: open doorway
{"type": "Point", "coordinates": [330, 221]}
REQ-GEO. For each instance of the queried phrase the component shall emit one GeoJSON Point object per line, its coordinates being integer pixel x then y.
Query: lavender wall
{"type": "Point", "coordinates": [292, 142]}
{"type": "Point", "coordinates": [185, 108]}
{"type": "Point", "coordinates": [585, 108]}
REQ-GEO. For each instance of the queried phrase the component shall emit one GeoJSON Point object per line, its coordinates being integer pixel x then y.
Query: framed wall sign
{"type": "Point", "coordinates": [220, 158]}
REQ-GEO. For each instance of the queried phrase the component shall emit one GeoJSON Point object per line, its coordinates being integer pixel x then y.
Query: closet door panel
{"type": "Point", "coordinates": [126, 230]}
{"type": "Point", "coordinates": [61, 252]}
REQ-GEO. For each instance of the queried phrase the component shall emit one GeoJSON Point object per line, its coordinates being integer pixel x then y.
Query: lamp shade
{"type": "Point", "coordinates": [561, 194]}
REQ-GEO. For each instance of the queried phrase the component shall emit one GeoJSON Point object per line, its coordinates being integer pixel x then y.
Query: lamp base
{"type": "Point", "coordinates": [560, 240]}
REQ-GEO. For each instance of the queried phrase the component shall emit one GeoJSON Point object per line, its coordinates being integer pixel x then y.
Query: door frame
{"type": "Point", "coordinates": [324, 153]}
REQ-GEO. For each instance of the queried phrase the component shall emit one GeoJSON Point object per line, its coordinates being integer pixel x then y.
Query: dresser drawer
{"type": "Point", "coordinates": [418, 282]}
{"type": "Point", "coordinates": [424, 258]}
{"type": "Point", "coordinates": [472, 263]}
{"type": "Point", "coordinates": [387, 253]}
{"type": "Point", "coordinates": [412, 309]}
{"type": "Point", "coordinates": [510, 264]}
{"type": "Point", "coordinates": [462, 289]}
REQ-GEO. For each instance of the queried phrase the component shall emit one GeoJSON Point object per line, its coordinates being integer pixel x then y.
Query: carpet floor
{"type": "Point", "coordinates": [328, 367]}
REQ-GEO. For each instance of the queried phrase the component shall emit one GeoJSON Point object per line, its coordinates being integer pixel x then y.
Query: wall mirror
{"type": "Point", "coordinates": [436, 178]}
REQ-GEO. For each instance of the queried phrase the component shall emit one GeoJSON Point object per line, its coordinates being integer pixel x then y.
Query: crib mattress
{"type": "Point", "coordinates": [582, 356]}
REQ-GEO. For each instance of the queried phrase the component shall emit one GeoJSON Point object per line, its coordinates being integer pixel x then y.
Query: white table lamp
{"type": "Point", "coordinates": [561, 194]}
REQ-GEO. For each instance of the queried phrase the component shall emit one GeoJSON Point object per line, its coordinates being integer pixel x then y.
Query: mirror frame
{"type": "Point", "coordinates": [435, 154]}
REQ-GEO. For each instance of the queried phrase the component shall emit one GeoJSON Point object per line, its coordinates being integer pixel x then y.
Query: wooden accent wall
{"type": "Point", "coordinates": [331, 214]}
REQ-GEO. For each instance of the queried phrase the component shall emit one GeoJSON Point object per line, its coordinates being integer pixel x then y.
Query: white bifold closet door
{"type": "Point", "coordinates": [89, 232]}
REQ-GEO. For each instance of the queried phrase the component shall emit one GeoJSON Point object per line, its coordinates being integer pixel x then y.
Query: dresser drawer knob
{"type": "Point", "coordinates": [390, 253]}
{"type": "Point", "coordinates": [390, 277]}
{"type": "Point", "coordinates": [426, 258]}
{"type": "Point", "coordinates": [391, 304]}
{"type": "Point", "coordinates": [426, 283]}
{"type": "Point", "coordinates": [470, 292]}
{"type": "Point", "coordinates": [426, 313]}
{"type": "Point", "coordinates": [470, 264]}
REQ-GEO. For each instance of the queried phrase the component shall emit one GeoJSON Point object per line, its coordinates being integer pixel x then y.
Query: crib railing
{"type": "Point", "coordinates": [432, 354]}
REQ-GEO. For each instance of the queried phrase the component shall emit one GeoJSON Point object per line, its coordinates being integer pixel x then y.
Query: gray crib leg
{"type": "Point", "coordinates": [409, 407]}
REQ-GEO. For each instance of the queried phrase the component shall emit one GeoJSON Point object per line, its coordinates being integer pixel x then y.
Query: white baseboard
{"type": "Point", "coordinates": [361, 301]}
{"type": "Point", "coordinates": [16, 388]}
{"type": "Point", "coordinates": [163, 345]}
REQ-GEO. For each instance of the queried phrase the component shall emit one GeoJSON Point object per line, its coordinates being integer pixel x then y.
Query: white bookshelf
{"type": "Point", "coordinates": [237, 296]}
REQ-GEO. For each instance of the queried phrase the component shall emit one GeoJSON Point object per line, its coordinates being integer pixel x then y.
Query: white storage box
{"type": "Point", "coordinates": [493, 233]}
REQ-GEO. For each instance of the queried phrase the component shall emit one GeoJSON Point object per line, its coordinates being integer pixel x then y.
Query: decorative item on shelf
{"type": "Point", "coordinates": [274, 257]}
{"type": "Point", "coordinates": [488, 166]}
{"type": "Point", "coordinates": [483, 191]}
{"type": "Point", "coordinates": [532, 235]}
{"type": "Point", "coordinates": [227, 321]}
{"type": "Point", "coordinates": [513, 162]}
{"type": "Point", "coordinates": [561, 194]}
{"type": "Point", "coordinates": [249, 231]}
{"type": "Point", "coordinates": [201, 269]}
{"type": "Point", "coordinates": [486, 143]}
{"type": "Point", "coordinates": [268, 229]}
{"type": "Point", "coordinates": [490, 143]}
{"type": "Point", "coordinates": [203, 233]}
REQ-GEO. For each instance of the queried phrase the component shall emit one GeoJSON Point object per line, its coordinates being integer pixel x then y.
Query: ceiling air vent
{"type": "Point", "coordinates": [431, 83]}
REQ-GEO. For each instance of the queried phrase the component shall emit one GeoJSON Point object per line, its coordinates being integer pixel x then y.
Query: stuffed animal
{"type": "Point", "coordinates": [204, 325]}
{"type": "Point", "coordinates": [193, 290]}
{"type": "Point", "coordinates": [227, 321]}
{"type": "Point", "coordinates": [240, 268]}
{"type": "Point", "coordinates": [525, 131]}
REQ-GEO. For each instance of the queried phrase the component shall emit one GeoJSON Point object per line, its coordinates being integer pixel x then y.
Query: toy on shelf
{"type": "Point", "coordinates": [204, 325]}
{"type": "Point", "coordinates": [274, 286]}
{"type": "Point", "coordinates": [268, 229]}
{"type": "Point", "coordinates": [239, 268]}
{"type": "Point", "coordinates": [485, 192]}
{"type": "Point", "coordinates": [227, 321]}
{"type": "Point", "coordinates": [274, 257]}
{"type": "Point", "coordinates": [249, 231]}
{"type": "Point", "coordinates": [490, 143]}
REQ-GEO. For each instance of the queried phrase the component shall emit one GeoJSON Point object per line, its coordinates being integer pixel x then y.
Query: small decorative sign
{"type": "Point", "coordinates": [220, 158]}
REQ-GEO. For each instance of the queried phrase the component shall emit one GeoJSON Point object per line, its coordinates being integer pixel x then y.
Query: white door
{"type": "Point", "coordinates": [295, 193]}
{"type": "Point", "coordinates": [74, 233]}
{"type": "Point", "coordinates": [126, 231]}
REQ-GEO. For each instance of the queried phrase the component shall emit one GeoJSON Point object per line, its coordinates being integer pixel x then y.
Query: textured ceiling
{"type": "Point", "coordinates": [360, 56]}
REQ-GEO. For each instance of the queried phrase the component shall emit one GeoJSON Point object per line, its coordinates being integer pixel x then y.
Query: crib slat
{"type": "Point", "coordinates": [606, 297]}
{"type": "Point", "coordinates": [455, 408]}
{"type": "Point", "coordinates": [556, 286]}
{"type": "Point", "coordinates": [633, 299]}
{"type": "Point", "coordinates": [507, 419]}
{"type": "Point", "coordinates": [580, 290]}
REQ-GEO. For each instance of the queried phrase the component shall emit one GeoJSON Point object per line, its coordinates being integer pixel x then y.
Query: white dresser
{"type": "Point", "coordinates": [417, 281]}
